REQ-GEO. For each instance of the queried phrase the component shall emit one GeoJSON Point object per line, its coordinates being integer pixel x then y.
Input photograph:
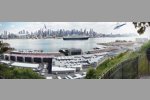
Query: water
{"type": "Point", "coordinates": [53, 45]}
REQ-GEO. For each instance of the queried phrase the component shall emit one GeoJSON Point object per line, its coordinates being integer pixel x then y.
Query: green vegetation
{"type": "Point", "coordinates": [4, 47]}
{"type": "Point", "coordinates": [113, 62]}
{"type": "Point", "coordinates": [107, 65]}
{"type": "Point", "coordinates": [143, 62]}
{"type": "Point", "coordinates": [17, 73]}
{"type": "Point", "coordinates": [91, 74]}
{"type": "Point", "coordinates": [144, 47]}
{"type": "Point", "coordinates": [141, 26]}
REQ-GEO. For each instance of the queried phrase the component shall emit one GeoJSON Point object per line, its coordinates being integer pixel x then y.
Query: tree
{"type": "Point", "coordinates": [17, 73]}
{"type": "Point", "coordinates": [91, 74]}
{"type": "Point", "coordinates": [7, 72]}
{"type": "Point", "coordinates": [141, 26]}
{"type": "Point", "coordinates": [4, 47]}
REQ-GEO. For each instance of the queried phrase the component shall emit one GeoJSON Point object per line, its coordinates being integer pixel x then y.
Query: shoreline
{"type": "Point", "coordinates": [60, 38]}
{"type": "Point", "coordinates": [118, 43]}
{"type": "Point", "coordinates": [54, 44]}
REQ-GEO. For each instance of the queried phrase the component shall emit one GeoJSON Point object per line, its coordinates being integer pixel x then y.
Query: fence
{"type": "Point", "coordinates": [125, 70]}
{"type": "Point", "coordinates": [130, 69]}
{"type": "Point", "coordinates": [143, 66]}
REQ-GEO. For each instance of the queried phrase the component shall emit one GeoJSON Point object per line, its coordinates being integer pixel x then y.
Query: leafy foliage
{"type": "Point", "coordinates": [143, 61]}
{"type": "Point", "coordinates": [145, 47]}
{"type": "Point", "coordinates": [91, 74]}
{"type": "Point", "coordinates": [4, 47]}
{"type": "Point", "coordinates": [106, 65]}
{"type": "Point", "coordinates": [17, 73]}
{"type": "Point", "coordinates": [141, 26]}
{"type": "Point", "coordinates": [111, 63]}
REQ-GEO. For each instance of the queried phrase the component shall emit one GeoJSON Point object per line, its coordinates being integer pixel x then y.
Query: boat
{"type": "Point", "coordinates": [76, 38]}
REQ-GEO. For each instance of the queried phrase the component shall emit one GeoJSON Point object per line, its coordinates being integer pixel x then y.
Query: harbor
{"type": "Point", "coordinates": [54, 45]}
{"type": "Point", "coordinates": [73, 63]}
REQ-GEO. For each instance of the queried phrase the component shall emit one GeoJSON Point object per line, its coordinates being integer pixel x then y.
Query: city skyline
{"type": "Point", "coordinates": [71, 50]}
{"type": "Point", "coordinates": [100, 27]}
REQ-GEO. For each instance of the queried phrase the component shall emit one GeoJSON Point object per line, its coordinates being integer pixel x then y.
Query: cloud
{"type": "Point", "coordinates": [100, 27]}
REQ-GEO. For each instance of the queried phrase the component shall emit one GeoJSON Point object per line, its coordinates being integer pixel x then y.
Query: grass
{"type": "Point", "coordinates": [113, 62]}
{"type": "Point", "coordinates": [144, 47]}
{"type": "Point", "coordinates": [143, 65]}
{"type": "Point", "coordinates": [107, 65]}
{"type": "Point", "coordinates": [143, 62]}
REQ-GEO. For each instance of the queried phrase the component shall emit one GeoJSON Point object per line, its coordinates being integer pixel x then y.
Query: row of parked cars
{"type": "Point", "coordinates": [75, 76]}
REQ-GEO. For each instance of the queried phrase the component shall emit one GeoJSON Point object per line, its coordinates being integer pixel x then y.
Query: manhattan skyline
{"type": "Point", "coordinates": [99, 27]}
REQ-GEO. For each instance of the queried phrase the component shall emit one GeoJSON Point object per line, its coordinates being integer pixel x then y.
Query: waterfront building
{"type": "Point", "coordinates": [72, 51]}
{"type": "Point", "coordinates": [28, 57]}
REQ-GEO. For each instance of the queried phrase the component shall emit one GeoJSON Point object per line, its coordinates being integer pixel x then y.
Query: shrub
{"type": "Point", "coordinates": [17, 73]}
{"type": "Point", "coordinates": [91, 74]}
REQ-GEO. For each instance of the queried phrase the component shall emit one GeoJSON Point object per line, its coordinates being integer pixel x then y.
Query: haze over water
{"type": "Point", "coordinates": [53, 45]}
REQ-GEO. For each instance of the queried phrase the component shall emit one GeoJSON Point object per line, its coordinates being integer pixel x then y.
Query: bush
{"type": "Point", "coordinates": [17, 73]}
{"type": "Point", "coordinates": [110, 63]}
{"type": "Point", "coordinates": [91, 74]}
{"type": "Point", "coordinates": [144, 47]}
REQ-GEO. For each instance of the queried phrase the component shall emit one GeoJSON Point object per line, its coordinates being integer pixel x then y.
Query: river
{"type": "Point", "coordinates": [53, 45]}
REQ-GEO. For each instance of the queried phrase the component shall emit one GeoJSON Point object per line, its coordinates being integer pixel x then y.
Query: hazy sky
{"type": "Point", "coordinates": [100, 27]}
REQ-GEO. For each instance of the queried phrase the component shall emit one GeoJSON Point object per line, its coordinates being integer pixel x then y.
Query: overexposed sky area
{"type": "Point", "coordinates": [100, 27]}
